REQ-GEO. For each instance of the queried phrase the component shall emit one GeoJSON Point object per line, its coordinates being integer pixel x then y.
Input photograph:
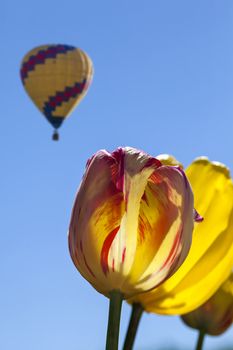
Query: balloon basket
{"type": "Point", "coordinates": [55, 136]}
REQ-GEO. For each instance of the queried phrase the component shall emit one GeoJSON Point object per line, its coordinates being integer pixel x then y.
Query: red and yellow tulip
{"type": "Point", "coordinates": [132, 221]}
{"type": "Point", "coordinates": [216, 314]}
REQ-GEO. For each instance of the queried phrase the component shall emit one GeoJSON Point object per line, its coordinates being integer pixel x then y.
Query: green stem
{"type": "Point", "coordinates": [200, 340]}
{"type": "Point", "coordinates": [114, 320]}
{"type": "Point", "coordinates": [136, 315]}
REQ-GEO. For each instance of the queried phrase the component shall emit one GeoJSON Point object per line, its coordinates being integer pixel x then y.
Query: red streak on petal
{"type": "Point", "coordinates": [183, 174]}
{"type": "Point", "coordinates": [144, 198]}
{"type": "Point", "coordinates": [123, 255]}
{"type": "Point", "coordinates": [88, 267]}
{"type": "Point", "coordinates": [171, 257]}
{"type": "Point", "coordinates": [113, 265]}
{"type": "Point", "coordinates": [152, 162]}
{"type": "Point", "coordinates": [141, 230]}
{"type": "Point", "coordinates": [85, 261]}
{"type": "Point", "coordinates": [119, 155]}
{"type": "Point", "coordinates": [156, 178]}
{"type": "Point", "coordinates": [105, 250]}
{"type": "Point", "coordinates": [81, 246]}
{"type": "Point", "coordinates": [120, 181]}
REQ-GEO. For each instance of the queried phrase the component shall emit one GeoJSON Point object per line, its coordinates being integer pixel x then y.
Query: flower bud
{"type": "Point", "coordinates": [216, 314]}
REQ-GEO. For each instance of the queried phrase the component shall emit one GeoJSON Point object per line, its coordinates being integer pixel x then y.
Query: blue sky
{"type": "Point", "coordinates": [163, 83]}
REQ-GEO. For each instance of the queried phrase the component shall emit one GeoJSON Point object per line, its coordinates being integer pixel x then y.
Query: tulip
{"type": "Point", "coordinates": [132, 221]}
{"type": "Point", "coordinates": [216, 314]}
{"type": "Point", "coordinates": [210, 258]}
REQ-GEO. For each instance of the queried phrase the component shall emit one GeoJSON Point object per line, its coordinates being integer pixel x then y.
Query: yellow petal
{"type": "Point", "coordinates": [210, 259]}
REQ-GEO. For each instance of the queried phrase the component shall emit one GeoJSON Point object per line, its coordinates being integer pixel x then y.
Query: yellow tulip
{"type": "Point", "coordinates": [210, 259]}
{"type": "Point", "coordinates": [132, 222]}
{"type": "Point", "coordinates": [216, 314]}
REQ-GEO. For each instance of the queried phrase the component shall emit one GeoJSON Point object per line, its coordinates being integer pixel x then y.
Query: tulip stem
{"type": "Point", "coordinates": [114, 320]}
{"type": "Point", "coordinates": [200, 340]}
{"type": "Point", "coordinates": [135, 318]}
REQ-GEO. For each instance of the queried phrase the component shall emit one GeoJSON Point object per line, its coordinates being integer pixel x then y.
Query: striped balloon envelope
{"type": "Point", "coordinates": [56, 77]}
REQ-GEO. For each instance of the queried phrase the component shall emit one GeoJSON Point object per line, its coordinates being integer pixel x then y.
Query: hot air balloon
{"type": "Point", "coordinates": [56, 77]}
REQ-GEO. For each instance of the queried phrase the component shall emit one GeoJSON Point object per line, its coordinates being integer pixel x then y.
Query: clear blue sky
{"type": "Point", "coordinates": [163, 83]}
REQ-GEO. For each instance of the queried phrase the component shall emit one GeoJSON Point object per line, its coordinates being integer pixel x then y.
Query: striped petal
{"type": "Point", "coordinates": [96, 217]}
{"type": "Point", "coordinates": [210, 259]}
{"type": "Point", "coordinates": [165, 221]}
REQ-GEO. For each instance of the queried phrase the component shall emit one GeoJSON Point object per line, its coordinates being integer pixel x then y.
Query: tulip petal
{"type": "Point", "coordinates": [211, 255]}
{"type": "Point", "coordinates": [138, 167]}
{"type": "Point", "coordinates": [165, 218]}
{"type": "Point", "coordinates": [98, 209]}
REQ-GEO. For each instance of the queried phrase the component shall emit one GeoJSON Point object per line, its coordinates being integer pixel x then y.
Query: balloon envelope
{"type": "Point", "coordinates": [56, 77]}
